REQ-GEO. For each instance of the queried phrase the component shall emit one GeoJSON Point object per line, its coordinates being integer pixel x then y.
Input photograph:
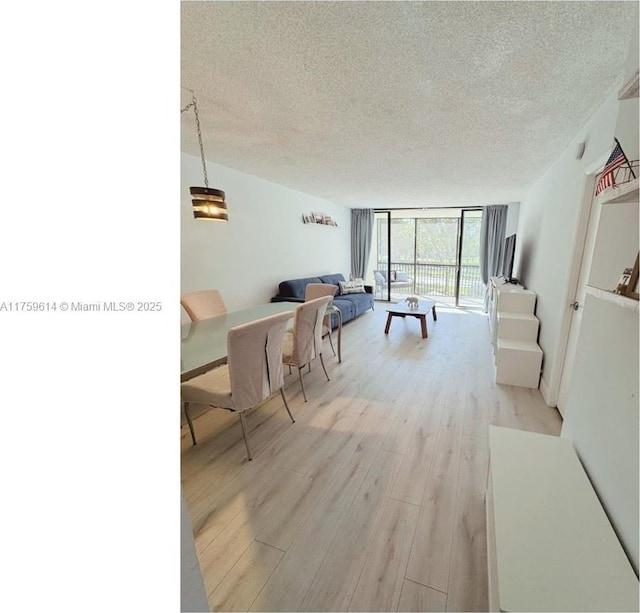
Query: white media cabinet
{"type": "Point", "coordinates": [550, 545]}
{"type": "Point", "coordinates": [514, 334]}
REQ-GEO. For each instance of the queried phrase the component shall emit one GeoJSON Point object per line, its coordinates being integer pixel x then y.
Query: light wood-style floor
{"type": "Point", "coordinates": [374, 499]}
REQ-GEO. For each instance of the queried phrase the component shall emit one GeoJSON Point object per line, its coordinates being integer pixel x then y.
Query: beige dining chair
{"type": "Point", "coordinates": [317, 290]}
{"type": "Point", "coordinates": [203, 304]}
{"type": "Point", "coordinates": [304, 342]}
{"type": "Point", "coordinates": [254, 371]}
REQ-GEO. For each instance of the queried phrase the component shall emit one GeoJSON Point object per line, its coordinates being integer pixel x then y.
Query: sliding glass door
{"type": "Point", "coordinates": [380, 258]}
{"type": "Point", "coordinates": [469, 287]}
{"type": "Point", "coordinates": [428, 252]}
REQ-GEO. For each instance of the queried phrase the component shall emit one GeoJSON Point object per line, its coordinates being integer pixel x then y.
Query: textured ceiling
{"type": "Point", "coordinates": [391, 104]}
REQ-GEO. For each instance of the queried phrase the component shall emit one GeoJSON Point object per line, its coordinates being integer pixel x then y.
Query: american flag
{"type": "Point", "coordinates": [616, 159]}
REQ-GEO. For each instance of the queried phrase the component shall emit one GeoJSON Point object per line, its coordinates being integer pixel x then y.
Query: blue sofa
{"type": "Point", "coordinates": [350, 305]}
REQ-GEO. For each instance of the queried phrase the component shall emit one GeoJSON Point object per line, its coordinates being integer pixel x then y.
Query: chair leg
{"type": "Point", "coordinates": [331, 342]}
{"type": "Point", "coordinates": [286, 404]}
{"type": "Point", "coordinates": [244, 434]}
{"type": "Point", "coordinates": [323, 368]}
{"type": "Point", "coordinates": [188, 416]}
{"type": "Point", "coordinates": [302, 382]}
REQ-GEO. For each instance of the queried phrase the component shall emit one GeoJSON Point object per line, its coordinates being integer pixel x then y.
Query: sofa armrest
{"type": "Point", "coordinates": [286, 299]}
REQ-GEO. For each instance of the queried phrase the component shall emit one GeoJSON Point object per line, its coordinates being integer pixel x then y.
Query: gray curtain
{"type": "Point", "coordinates": [361, 235]}
{"type": "Point", "coordinates": [494, 222]}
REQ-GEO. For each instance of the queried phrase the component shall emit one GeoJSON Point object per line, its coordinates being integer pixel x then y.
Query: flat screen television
{"type": "Point", "coordinates": [507, 259]}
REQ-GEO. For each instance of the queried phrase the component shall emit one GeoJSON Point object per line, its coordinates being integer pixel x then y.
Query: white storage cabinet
{"type": "Point", "coordinates": [514, 334]}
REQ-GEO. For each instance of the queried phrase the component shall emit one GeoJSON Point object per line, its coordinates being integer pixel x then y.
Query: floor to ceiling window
{"type": "Point", "coordinates": [428, 252]}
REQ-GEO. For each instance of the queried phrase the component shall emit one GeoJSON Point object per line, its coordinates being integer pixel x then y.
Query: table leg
{"type": "Point", "coordinates": [339, 314]}
{"type": "Point", "coordinates": [386, 328]}
{"type": "Point", "coordinates": [433, 310]}
{"type": "Point", "coordinates": [423, 323]}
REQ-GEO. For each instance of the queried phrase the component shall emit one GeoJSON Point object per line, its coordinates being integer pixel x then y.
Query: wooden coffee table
{"type": "Point", "coordinates": [402, 310]}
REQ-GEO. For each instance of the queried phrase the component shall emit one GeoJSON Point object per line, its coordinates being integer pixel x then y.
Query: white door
{"type": "Point", "coordinates": [577, 304]}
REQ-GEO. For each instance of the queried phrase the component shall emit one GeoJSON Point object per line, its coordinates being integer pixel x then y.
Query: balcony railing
{"type": "Point", "coordinates": [439, 279]}
{"type": "Point", "coordinates": [625, 173]}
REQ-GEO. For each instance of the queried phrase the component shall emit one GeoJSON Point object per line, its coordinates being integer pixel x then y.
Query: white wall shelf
{"type": "Point", "coordinates": [617, 299]}
{"type": "Point", "coordinates": [617, 194]}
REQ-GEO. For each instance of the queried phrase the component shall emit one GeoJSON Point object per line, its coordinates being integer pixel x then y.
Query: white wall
{"type": "Point", "coordinates": [602, 407]}
{"type": "Point", "coordinates": [513, 215]}
{"type": "Point", "coordinates": [634, 45]}
{"type": "Point", "coordinates": [264, 241]}
{"type": "Point", "coordinates": [547, 227]}
{"type": "Point", "coordinates": [602, 413]}
{"type": "Point", "coordinates": [627, 124]}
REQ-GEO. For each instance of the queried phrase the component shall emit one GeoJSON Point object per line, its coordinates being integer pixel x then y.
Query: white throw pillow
{"type": "Point", "coordinates": [352, 287]}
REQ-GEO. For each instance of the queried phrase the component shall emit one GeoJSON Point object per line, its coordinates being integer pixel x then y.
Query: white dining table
{"type": "Point", "coordinates": [203, 344]}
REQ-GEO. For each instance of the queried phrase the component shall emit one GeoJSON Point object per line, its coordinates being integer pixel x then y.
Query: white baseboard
{"type": "Point", "coordinates": [546, 394]}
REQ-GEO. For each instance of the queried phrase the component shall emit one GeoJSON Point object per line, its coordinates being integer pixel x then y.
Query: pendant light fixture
{"type": "Point", "coordinates": [208, 203]}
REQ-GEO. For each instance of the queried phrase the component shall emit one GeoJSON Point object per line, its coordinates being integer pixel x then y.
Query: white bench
{"type": "Point", "coordinates": [550, 545]}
